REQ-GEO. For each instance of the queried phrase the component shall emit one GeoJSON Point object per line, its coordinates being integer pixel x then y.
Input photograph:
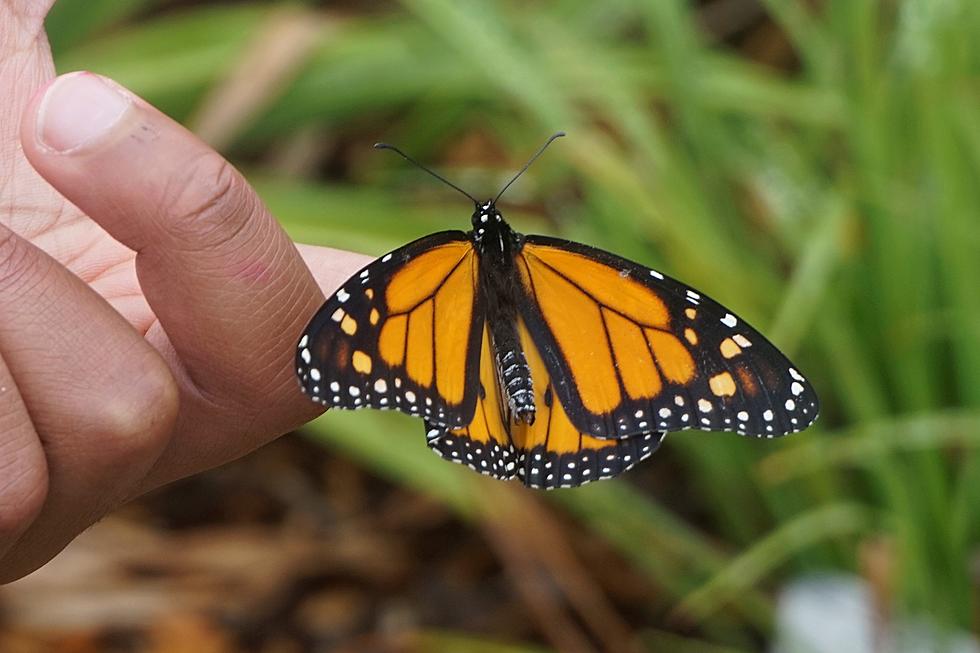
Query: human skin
{"type": "Point", "coordinates": [150, 301]}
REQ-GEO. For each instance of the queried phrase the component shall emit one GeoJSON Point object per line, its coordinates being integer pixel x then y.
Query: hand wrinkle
{"type": "Point", "coordinates": [21, 76]}
{"type": "Point", "coordinates": [28, 16]}
{"type": "Point", "coordinates": [31, 207]}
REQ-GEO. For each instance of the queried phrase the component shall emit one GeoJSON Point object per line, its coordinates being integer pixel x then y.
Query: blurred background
{"type": "Point", "coordinates": [812, 164]}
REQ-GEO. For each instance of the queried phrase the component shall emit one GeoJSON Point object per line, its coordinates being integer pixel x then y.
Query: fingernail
{"type": "Point", "coordinates": [78, 109]}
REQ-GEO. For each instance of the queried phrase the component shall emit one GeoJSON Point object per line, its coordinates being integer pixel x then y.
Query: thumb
{"type": "Point", "coordinates": [225, 282]}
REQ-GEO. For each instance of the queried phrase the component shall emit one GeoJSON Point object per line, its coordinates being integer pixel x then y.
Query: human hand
{"type": "Point", "coordinates": [150, 302]}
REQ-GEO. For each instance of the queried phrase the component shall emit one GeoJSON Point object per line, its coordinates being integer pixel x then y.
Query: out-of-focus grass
{"type": "Point", "coordinates": [836, 208]}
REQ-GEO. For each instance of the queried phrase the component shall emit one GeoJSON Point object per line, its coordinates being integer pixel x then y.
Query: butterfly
{"type": "Point", "coordinates": [540, 359]}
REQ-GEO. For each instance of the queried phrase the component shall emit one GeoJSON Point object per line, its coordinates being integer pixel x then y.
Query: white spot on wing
{"type": "Point", "coordinates": [729, 320]}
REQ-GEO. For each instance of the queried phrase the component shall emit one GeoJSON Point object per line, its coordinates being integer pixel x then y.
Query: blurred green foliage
{"type": "Point", "coordinates": [834, 206]}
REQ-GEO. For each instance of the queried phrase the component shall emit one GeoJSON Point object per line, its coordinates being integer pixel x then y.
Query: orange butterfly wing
{"type": "Point", "coordinates": [636, 350]}
{"type": "Point", "coordinates": [401, 334]}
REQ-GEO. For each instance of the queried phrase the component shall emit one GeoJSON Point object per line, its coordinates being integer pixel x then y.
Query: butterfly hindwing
{"type": "Point", "coordinates": [548, 454]}
{"type": "Point", "coordinates": [484, 444]}
{"type": "Point", "coordinates": [556, 452]}
{"type": "Point", "coordinates": [639, 351]}
{"type": "Point", "coordinates": [402, 334]}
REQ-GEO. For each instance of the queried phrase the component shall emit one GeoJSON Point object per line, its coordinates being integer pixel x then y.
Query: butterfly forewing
{"type": "Point", "coordinates": [634, 350]}
{"type": "Point", "coordinates": [402, 334]}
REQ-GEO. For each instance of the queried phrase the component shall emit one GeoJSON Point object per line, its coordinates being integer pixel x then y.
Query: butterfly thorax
{"type": "Point", "coordinates": [501, 291]}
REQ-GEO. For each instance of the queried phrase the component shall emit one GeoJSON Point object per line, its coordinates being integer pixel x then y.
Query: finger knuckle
{"type": "Point", "coordinates": [212, 203]}
{"type": "Point", "coordinates": [136, 422]}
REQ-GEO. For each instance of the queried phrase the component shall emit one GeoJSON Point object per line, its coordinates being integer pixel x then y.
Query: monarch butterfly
{"type": "Point", "coordinates": [540, 359]}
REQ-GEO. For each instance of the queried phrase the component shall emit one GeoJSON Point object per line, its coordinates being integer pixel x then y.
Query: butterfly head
{"type": "Point", "coordinates": [491, 234]}
{"type": "Point", "coordinates": [484, 215]}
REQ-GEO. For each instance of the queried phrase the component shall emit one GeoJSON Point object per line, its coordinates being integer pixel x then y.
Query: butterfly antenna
{"type": "Point", "coordinates": [528, 164]}
{"type": "Point", "coordinates": [386, 146]}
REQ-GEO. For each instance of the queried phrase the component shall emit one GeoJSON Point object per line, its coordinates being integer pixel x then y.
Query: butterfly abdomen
{"type": "Point", "coordinates": [515, 378]}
